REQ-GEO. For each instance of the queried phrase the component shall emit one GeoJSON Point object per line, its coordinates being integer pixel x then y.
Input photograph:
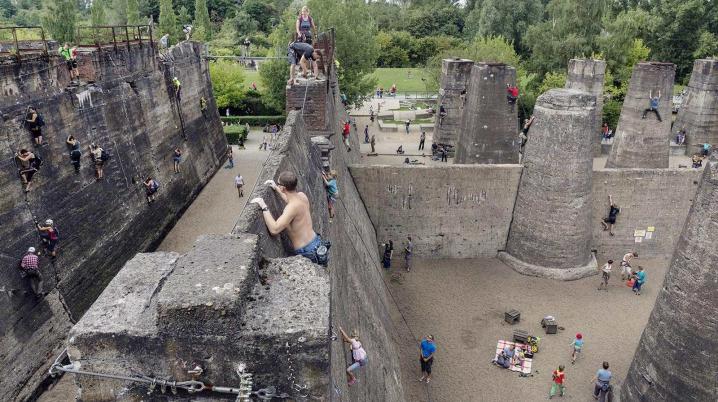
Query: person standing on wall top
{"type": "Point", "coordinates": [165, 43]}
{"type": "Point", "coordinates": [34, 123]}
{"type": "Point", "coordinates": [75, 152]}
{"type": "Point", "coordinates": [653, 105]}
{"type": "Point", "coordinates": [296, 219]}
{"type": "Point", "coordinates": [359, 357]}
{"type": "Point", "coordinates": [300, 53]}
{"type": "Point", "coordinates": [426, 357]}
{"type": "Point", "coordinates": [305, 26]}
{"type": "Point", "coordinates": [70, 56]}
{"type": "Point", "coordinates": [187, 29]}
{"type": "Point", "coordinates": [346, 130]}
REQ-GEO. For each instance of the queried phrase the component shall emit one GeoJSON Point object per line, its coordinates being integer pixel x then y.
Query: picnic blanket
{"type": "Point", "coordinates": [522, 367]}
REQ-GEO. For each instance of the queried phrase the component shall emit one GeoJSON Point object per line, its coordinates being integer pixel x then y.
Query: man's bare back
{"type": "Point", "coordinates": [300, 229]}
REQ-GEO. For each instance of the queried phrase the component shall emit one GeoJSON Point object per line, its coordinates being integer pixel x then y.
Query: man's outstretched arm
{"type": "Point", "coordinates": [277, 226]}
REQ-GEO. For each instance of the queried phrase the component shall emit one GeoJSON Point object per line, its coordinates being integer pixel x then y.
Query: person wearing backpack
{"type": "Point", "coordinates": [50, 236]}
{"type": "Point", "coordinates": [602, 383]}
{"type": "Point", "coordinates": [34, 123]}
{"type": "Point", "coordinates": [75, 152]}
{"type": "Point", "coordinates": [151, 187]}
{"type": "Point", "coordinates": [29, 164]}
{"type": "Point", "coordinates": [99, 156]}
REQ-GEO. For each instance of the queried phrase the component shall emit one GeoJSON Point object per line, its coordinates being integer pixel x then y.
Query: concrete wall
{"type": "Point", "coordinates": [647, 197]}
{"type": "Point", "coordinates": [698, 114]}
{"type": "Point", "coordinates": [588, 75]}
{"type": "Point", "coordinates": [455, 74]}
{"type": "Point", "coordinates": [464, 210]}
{"type": "Point", "coordinates": [489, 127]}
{"type": "Point", "coordinates": [102, 224]}
{"type": "Point", "coordinates": [457, 211]}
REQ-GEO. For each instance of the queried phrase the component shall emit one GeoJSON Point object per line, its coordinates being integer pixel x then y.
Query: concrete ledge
{"type": "Point", "coordinates": [387, 127]}
{"type": "Point", "coordinates": [426, 126]}
{"type": "Point", "coordinates": [678, 150]}
{"type": "Point", "coordinates": [563, 274]}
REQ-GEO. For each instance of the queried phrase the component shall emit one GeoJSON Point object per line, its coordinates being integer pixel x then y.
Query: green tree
{"type": "Point", "coordinates": [202, 24]}
{"type": "Point", "coordinates": [707, 46]}
{"type": "Point", "coordinates": [133, 12]}
{"type": "Point", "coordinates": [430, 20]}
{"type": "Point", "coordinates": [551, 81]}
{"type": "Point", "coordinates": [183, 17]}
{"type": "Point", "coordinates": [261, 12]}
{"type": "Point", "coordinates": [7, 9]}
{"type": "Point", "coordinates": [274, 75]}
{"type": "Point", "coordinates": [227, 83]}
{"type": "Point", "coordinates": [97, 13]}
{"type": "Point", "coordinates": [508, 18]}
{"type": "Point", "coordinates": [677, 34]}
{"type": "Point", "coordinates": [168, 20]}
{"type": "Point", "coordinates": [356, 48]}
{"type": "Point", "coordinates": [60, 18]}
{"type": "Point", "coordinates": [619, 35]}
{"type": "Point", "coordinates": [118, 12]}
{"type": "Point", "coordinates": [244, 24]}
{"type": "Point", "coordinates": [391, 54]}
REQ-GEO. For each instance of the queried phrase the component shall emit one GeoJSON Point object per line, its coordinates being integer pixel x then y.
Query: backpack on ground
{"type": "Point", "coordinates": [105, 155]}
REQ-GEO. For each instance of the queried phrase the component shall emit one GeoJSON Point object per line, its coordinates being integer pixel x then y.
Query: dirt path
{"type": "Point", "coordinates": [462, 303]}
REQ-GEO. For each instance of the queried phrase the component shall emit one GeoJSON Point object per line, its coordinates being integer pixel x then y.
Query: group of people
{"type": "Point", "coordinates": [636, 279]}
{"type": "Point", "coordinates": [389, 253]}
{"type": "Point", "coordinates": [29, 265]}
{"type": "Point", "coordinates": [300, 50]}
{"type": "Point", "coordinates": [602, 388]}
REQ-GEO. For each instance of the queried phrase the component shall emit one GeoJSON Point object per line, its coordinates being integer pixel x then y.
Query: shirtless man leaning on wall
{"type": "Point", "coordinates": [296, 219]}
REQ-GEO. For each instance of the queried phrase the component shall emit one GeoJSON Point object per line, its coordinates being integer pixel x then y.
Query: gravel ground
{"type": "Point", "coordinates": [462, 303]}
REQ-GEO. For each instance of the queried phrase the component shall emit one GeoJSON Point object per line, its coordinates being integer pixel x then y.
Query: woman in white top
{"type": "Point", "coordinates": [239, 182]}
{"type": "Point", "coordinates": [358, 355]}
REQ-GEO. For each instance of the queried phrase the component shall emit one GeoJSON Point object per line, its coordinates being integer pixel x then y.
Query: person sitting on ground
{"type": "Point", "coordinates": [300, 53]}
{"type": "Point", "coordinates": [505, 358]}
{"type": "Point", "coordinates": [639, 278]}
{"type": "Point", "coordinates": [400, 150]}
{"type": "Point", "coordinates": [27, 167]}
{"type": "Point", "coordinates": [30, 269]}
{"type": "Point", "coordinates": [609, 221]}
{"type": "Point", "coordinates": [177, 158]}
{"type": "Point", "coordinates": [70, 56]}
{"type": "Point", "coordinates": [96, 153]}
{"type": "Point", "coordinates": [75, 152]}
{"type": "Point", "coordinates": [654, 102]}
{"type": "Point", "coordinates": [49, 236]}
{"type": "Point", "coordinates": [34, 122]}
{"type": "Point", "coordinates": [359, 357]}
{"type": "Point", "coordinates": [681, 137]}
{"type": "Point", "coordinates": [626, 265]}
{"type": "Point", "coordinates": [330, 183]}
{"type": "Point", "coordinates": [296, 218]}
{"type": "Point", "coordinates": [151, 187]}
{"type": "Point", "coordinates": [177, 86]}
{"type": "Point", "coordinates": [305, 27]}
{"type": "Point", "coordinates": [512, 94]}
{"type": "Point", "coordinates": [697, 160]}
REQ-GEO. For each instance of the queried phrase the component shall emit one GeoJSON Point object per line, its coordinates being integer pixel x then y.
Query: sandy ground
{"type": "Point", "coordinates": [462, 303]}
{"type": "Point", "coordinates": [215, 211]}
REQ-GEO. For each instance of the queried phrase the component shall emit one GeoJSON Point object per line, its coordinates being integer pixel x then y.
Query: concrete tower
{"type": "Point", "coordinates": [550, 234]}
{"type": "Point", "coordinates": [489, 129]}
{"type": "Point", "coordinates": [588, 75]}
{"type": "Point", "coordinates": [455, 75]}
{"type": "Point", "coordinates": [644, 142]}
{"type": "Point", "coordinates": [676, 357]}
{"type": "Point", "coordinates": [699, 111]}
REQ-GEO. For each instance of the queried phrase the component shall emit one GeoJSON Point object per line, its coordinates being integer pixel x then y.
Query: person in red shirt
{"type": "Point", "coordinates": [345, 134]}
{"type": "Point", "coordinates": [559, 377]}
{"type": "Point", "coordinates": [512, 93]}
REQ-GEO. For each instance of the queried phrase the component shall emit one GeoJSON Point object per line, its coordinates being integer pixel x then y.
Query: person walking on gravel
{"type": "Point", "coordinates": [426, 357]}
{"type": "Point", "coordinates": [559, 377]}
{"type": "Point", "coordinates": [605, 275]}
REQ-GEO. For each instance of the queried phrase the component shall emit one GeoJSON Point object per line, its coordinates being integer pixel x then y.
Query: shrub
{"type": "Point", "coordinates": [234, 133]}
{"type": "Point", "coordinates": [254, 120]}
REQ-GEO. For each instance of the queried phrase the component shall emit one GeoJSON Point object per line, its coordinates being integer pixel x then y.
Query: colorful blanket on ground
{"type": "Point", "coordinates": [520, 365]}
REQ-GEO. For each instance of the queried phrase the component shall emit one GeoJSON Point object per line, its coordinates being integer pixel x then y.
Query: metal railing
{"type": "Point", "coordinates": [115, 36]}
{"type": "Point", "coordinates": [17, 41]}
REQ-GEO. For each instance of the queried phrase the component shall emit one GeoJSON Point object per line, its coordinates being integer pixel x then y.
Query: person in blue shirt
{"type": "Point", "coordinates": [426, 357]}
{"type": "Point", "coordinates": [330, 183]}
{"type": "Point", "coordinates": [577, 345]}
{"type": "Point", "coordinates": [706, 149]}
{"type": "Point", "coordinates": [602, 383]}
{"type": "Point", "coordinates": [654, 102]}
{"type": "Point", "coordinates": [640, 279]}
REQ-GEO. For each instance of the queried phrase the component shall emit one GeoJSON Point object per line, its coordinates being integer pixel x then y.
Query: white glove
{"type": "Point", "coordinates": [259, 201]}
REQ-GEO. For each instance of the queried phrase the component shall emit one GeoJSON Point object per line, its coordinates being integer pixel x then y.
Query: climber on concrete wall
{"type": "Point", "coordinates": [654, 102]}
{"type": "Point", "coordinates": [177, 85]}
{"type": "Point", "coordinates": [359, 357]}
{"type": "Point", "coordinates": [30, 269]}
{"type": "Point", "coordinates": [99, 156]}
{"type": "Point", "coordinates": [296, 219]}
{"type": "Point", "coordinates": [512, 95]}
{"type": "Point", "coordinates": [75, 152]}
{"type": "Point", "coordinates": [50, 237]}
{"type": "Point", "coordinates": [70, 56]}
{"type": "Point", "coordinates": [34, 122]}
{"type": "Point", "coordinates": [151, 187]}
{"type": "Point", "coordinates": [28, 167]}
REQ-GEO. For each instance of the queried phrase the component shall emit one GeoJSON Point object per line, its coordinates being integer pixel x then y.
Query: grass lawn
{"type": "Point", "coordinates": [401, 123]}
{"type": "Point", "coordinates": [398, 76]}
{"type": "Point", "coordinates": [251, 76]}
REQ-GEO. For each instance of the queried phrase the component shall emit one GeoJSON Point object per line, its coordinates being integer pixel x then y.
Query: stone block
{"type": "Point", "coordinates": [588, 75]}
{"type": "Point", "coordinates": [698, 113]}
{"type": "Point", "coordinates": [455, 75]}
{"type": "Point", "coordinates": [311, 97]}
{"type": "Point", "coordinates": [489, 128]}
{"type": "Point", "coordinates": [643, 142]}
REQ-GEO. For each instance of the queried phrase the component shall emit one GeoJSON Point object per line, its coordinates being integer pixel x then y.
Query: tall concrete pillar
{"type": "Point", "coordinates": [676, 357]}
{"type": "Point", "coordinates": [698, 114]}
{"type": "Point", "coordinates": [454, 80]}
{"type": "Point", "coordinates": [489, 129]}
{"type": "Point", "coordinates": [588, 75]}
{"type": "Point", "coordinates": [550, 234]}
{"type": "Point", "coordinates": [639, 142]}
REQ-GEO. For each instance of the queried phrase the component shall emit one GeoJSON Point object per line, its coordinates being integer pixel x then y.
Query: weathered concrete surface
{"type": "Point", "coordinates": [455, 75]}
{"type": "Point", "coordinates": [658, 198]}
{"type": "Point", "coordinates": [460, 211]}
{"type": "Point", "coordinates": [698, 114]}
{"type": "Point", "coordinates": [102, 224]}
{"type": "Point", "coordinates": [552, 214]}
{"type": "Point", "coordinates": [587, 75]}
{"type": "Point", "coordinates": [675, 359]}
{"type": "Point", "coordinates": [489, 128]}
{"type": "Point", "coordinates": [644, 143]}
{"type": "Point", "coordinates": [218, 307]}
